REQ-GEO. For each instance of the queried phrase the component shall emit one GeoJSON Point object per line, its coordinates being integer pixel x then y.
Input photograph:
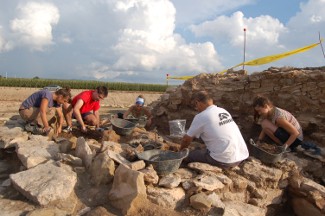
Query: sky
{"type": "Point", "coordinates": [140, 41]}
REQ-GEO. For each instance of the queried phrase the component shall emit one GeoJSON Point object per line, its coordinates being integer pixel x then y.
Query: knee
{"type": "Point", "coordinates": [93, 122]}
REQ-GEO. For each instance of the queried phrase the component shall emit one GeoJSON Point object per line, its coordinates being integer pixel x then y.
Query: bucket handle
{"type": "Point", "coordinates": [186, 152]}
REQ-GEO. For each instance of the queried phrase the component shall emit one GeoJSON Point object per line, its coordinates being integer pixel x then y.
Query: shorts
{"type": "Point", "coordinates": [203, 156]}
{"type": "Point", "coordinates": [32, 114]}
{"type": "Point", "coordinates": [283, 136]}
{"type": "Point", "coordinates": [83, 115]}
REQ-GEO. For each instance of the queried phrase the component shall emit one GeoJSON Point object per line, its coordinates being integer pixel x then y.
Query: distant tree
{"type": "Point", "coordinates": [36, 77]}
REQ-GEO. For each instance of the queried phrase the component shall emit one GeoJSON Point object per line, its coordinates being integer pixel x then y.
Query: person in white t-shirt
{"type": "Point", "coordinates": [225, 146]}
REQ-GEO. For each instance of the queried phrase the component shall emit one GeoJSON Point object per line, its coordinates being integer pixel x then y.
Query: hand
{"type": "Point", "coordinates": [46, 130]}
{"type": "Point", "coordinates": [284, 147]}
{"type": "Point", "coordinates": [84, 129]}
{"type": "Point", "coordinates": [58, 130]}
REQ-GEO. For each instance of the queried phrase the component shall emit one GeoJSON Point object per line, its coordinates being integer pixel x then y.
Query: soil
{"type": "Point", "coordinates": [270, 148]}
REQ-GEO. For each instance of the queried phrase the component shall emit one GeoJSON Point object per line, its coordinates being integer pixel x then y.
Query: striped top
{"type": "Point", "coordinates": [281, 113]}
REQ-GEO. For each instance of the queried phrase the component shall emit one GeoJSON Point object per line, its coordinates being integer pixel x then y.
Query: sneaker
{"type": "Point", "coordinates": [29, 127]}
{"type": "Point", "coordinates": [67, 129]}
{"type": "Point", "coordinates": [38, 131]}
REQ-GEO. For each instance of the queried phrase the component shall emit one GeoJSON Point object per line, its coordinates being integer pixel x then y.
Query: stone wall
{"type": "Point", "coordinates": [301, 91]}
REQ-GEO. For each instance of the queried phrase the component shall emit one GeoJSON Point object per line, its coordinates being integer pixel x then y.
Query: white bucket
{"type": "Point", "coordinates": [177, 127]}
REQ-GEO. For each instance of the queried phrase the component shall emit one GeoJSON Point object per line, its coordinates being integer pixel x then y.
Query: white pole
{"type": "Point", "coordinates": [244, 48]}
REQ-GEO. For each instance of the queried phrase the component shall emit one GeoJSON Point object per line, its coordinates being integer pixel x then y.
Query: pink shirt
{"type": "Point", "coordinates": [281, 113]}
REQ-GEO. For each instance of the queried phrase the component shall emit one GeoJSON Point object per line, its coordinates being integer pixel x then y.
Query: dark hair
{"type": "Point", "coordinates": [65, 92]}
{"type": "Point", "coordinates": [103, 90]}
{"type": "Point", "coordinates": [201, 96]}
{"type": "Point", "coordinates": [260, 101]}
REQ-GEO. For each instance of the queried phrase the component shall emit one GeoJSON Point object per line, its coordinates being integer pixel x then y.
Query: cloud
{"type": "Point", "coordinates": [260, 30]}
{"type": "Point", "coordinates": [148, 42]}
{"type": "Point", "coordinates": [193, 11]}
{"type": "Point", "coordinates": [306, 24]}
{"type": "Point", "coordinates": [5, 45]}
{"type": "Point", "coordinates": [34, 24]}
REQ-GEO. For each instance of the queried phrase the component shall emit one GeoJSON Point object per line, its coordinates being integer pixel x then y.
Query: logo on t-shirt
{"type": "Point", "coordinates": [224, 118]}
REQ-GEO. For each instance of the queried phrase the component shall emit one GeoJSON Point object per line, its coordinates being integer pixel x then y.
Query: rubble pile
{"type": "Point", "coordinates": [301, 91]}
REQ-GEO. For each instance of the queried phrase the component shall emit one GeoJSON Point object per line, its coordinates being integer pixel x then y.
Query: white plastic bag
{"type": "Point", "coordinates": [177, 127]}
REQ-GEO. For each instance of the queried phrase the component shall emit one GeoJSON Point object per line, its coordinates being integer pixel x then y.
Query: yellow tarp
{"type": "Point", "coordinates": [261, 61]}
{"type": "Point", "coordinates": [180, 77]}
{"type": "Point", "coordinates": [272, 58]}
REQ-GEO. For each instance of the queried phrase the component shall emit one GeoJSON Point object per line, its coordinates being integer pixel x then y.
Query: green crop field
{"type": "Point", "coordinates": [77, 84]}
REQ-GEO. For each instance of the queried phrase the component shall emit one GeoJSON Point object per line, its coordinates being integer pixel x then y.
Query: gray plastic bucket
{"type": "Point", "coordinates": [164, 162]}
{"type": "Point", "coordinates": [122, 126]}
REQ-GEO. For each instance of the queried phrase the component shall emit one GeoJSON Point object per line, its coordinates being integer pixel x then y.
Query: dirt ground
{"type": "Point", "coordinates": [11, 98]}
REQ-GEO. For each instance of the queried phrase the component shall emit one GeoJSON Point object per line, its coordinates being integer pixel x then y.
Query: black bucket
{"type": "Point", "coordinates": [122, 126]}
{"type": "Point", "coordinates": [265, 156]}
{"type": "Point", "coordinates": [164, 162]}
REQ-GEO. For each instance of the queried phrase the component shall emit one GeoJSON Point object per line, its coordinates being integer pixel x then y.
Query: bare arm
{"type": "Point", "coordinates": [148, 113]}
{"type": "Point", "coordinates": [77, 114]}
{"type": "Point", "coordinates": [96, 113]}
{"type": "Point", "coordinates": [149, 116]}
{"type": "Point", "coordinates": [287, 126]}
{"type": "Point", "coordinates": [125, 115]}
{"type": "Point", "coordinates": [60, 120]}
{"type": "Point", "coordinates": [186, 141]}
{"type": "Point", "coordinates": [43, 110]}
{"type": "Point", "coordinates": [261, 136]}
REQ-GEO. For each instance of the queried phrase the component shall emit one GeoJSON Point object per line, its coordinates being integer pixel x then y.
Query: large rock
{"type": "Point", "coordinates": [235, 208]}
{"type": "Point", "coordinates": [84, 152]}
{"type": "Point", "coordinates": [14, 207]}
{"type": "Point", "coordinates": [128, 190]}
{"type": "Point", "coordinates": [10, 137]}
{"type": "Point", "coordinates": [35, 151]}
{"type": "Point", "coordinates": [165, 197]}
{"type": "Point", "coordinates": [102, 169]}
{"type": "Point", "coordinates": [45, 183]}
{"type": "Point", "coordinates": [262, 175]}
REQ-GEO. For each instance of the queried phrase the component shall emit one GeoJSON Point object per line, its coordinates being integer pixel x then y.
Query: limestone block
{"type": "Point", "coordinates": [165, 197]}
{"type": "Point", "coordinates": [200, 201]}
{"type": "Point", "coordinates": [84, 152]}
{"type": "Point", "coordinates": [10, 136]}
{"type": "Point", "coordinates": [36, 151]}
{"type": "Point", "coordinates": [45, 183]}
{"type": "Point", "coordinates": [128, 190]}
{"type": "Point", "coordinates": [102, 169]}
{"type": "Point", "coordinates": [239, 208]}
